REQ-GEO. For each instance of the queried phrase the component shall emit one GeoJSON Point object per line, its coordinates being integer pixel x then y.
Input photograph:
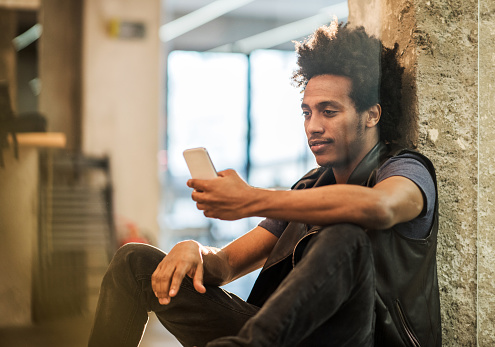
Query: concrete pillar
{"type": "Point", "coordinates": [486, 236]}
{"type": "Point", "coordinates": [121, 88]}
{"type": "Point", "coordinates": [439, 48]}
{"type": "Point", "coordinates": [18, 194]}
{"type": "Point", "coordinates": [19, 226]}
{"type": "Point", "coordinates": [60, 68]}
{"type": "Point", "coordinates": [8, 25]}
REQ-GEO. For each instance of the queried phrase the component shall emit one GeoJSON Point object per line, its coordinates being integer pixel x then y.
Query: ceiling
{"type": "Point", "coordinates": [244, 25]}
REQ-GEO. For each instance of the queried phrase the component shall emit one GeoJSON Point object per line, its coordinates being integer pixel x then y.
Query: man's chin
{"type": "Point", "coordinates": [324, 162]}
{"type": "Point", "coordinates": [330, 162]}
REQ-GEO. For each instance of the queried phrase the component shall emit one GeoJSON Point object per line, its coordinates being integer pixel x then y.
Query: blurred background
{"type": "Point", "coordinates": [98, 99]}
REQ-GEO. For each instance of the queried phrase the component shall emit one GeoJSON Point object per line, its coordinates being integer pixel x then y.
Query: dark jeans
{"type": "Point", "coordinates": [326, 300]}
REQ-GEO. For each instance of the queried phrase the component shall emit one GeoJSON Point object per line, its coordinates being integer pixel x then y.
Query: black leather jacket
{"type": "Point", "coordinates": [407, 295]}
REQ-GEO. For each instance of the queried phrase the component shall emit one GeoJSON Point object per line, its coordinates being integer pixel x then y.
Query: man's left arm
{"type": "Point", "coordinates": [393, 200]}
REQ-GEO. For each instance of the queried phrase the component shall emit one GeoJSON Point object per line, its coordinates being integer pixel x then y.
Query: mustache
{"type": "Point", "coordinates": [315, 140]}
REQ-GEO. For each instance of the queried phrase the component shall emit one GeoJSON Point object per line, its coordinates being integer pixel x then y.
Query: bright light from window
{"type": "Point", "coordinates": [207, 107]}
{"type": "Point", "coordinates": [279, 154]}
{"type": "Point", "coordinates": [207, 102]}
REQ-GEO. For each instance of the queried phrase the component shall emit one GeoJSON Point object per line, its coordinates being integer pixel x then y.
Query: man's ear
{"type": "Point", "coordinates": [373, 115]}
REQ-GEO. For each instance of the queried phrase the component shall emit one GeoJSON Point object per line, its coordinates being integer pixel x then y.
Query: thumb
{"type": "Point", "coordinates": [227, 173]}
{"type": "Point", "coordinates": [198, 279]}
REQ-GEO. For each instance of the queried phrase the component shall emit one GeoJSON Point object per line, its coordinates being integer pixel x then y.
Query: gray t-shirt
{"type": "Point", "coordinates": [402, 165]}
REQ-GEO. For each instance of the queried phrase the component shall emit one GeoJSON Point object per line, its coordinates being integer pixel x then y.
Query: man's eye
{"type": "Point", "coordinates": [305, 114]}
{"type": "Point", "coordinates": [329, 112]}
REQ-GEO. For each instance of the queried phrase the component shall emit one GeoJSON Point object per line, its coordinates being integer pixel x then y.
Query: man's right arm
{"type": "Point", "coordinates": [207, 265]}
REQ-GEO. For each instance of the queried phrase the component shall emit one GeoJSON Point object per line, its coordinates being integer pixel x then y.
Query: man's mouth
{"type": "Point", "coordinates": [317, 145]}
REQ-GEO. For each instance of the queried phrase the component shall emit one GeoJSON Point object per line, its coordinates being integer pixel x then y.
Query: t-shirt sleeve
{"type": "Point", "coordinates": [407, 166]}
{"type": "Point", "coordinates": [275, 226]}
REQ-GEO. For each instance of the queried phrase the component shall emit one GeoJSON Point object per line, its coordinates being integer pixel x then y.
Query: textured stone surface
{"type": "Point", "coordinates": [438, 42]}
{"type": "Point", "coordinates": [486, 236]}
{"type": "Point", "coordinates": [447, 91]}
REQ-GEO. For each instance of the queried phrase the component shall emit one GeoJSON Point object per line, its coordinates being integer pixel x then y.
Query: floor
{"type": "Point", "coordinates": [74, 332]}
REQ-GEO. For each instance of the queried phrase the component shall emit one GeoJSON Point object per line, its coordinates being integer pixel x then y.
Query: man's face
{"type": "Point", "coordinates": [335, 130]}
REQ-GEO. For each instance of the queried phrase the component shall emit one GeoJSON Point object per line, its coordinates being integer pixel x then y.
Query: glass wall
{"type": "Point", "coordinates": [245, 111]}
{"type": "Point", "coordinates": [279, 153]}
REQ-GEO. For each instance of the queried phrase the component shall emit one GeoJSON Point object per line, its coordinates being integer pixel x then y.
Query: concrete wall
{"type": "Point", "coordinates": [60, 68]}
{"type": "Point", "coordinates": [121, 85]}
{"type": "Point", "coordinates": [447, 41]}
{"type": "Point", "coordinates": [18, 200]}
{"type": "Point", "coordinates": [439, 49]}
{"type": "Point", "coordinates": [18, 226]}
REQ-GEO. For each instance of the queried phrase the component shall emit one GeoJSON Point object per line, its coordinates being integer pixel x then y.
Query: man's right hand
{"type": "Point", "coordinates": [186, 258]}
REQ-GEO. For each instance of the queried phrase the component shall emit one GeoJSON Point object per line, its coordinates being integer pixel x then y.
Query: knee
{"type": "Point", "coordinates": [345, 235]}
{"type": "Point", "coordinates": [350, 243]}
{"type": "Point", "coordinates": [135, 255]}
{"type": "Point", "coordinates": [341, 240]}
{"type": "Point", "coordinates": [130, 250]}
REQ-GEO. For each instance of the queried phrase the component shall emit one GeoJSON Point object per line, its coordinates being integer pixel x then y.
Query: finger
{"type": "Point", "coordinates": [197, 184]}
{"type": "Point", "coordinates": [162, 293]}
{"type": "Point", "coordinates": [179, 275]}
{"type": "Point", "coordinates": [225, 173]}
{"type": "Point", "coordinates": [162, 288]}
{"type": "Point", "coordinates": [197, 196]}
{"type": "Point", "coordinates": [160, 281]}
{"type": "Point", "coordinates": [154, 283]}
{"type": "Point", "coordinates": [155, 279]}
{"type": "Point", "coordinates": [208, 213]}
{"type": "Point", "coordinates": [198, 279]}
{"type": "Point", "coordinates": [201, 206]}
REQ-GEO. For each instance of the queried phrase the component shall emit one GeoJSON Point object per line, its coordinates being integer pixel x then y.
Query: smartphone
{"type": "Point", "coordinates": [199, 163]}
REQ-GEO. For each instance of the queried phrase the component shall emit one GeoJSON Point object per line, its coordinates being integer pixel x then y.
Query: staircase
{"type": "Point", "coordinates": [76, 239]}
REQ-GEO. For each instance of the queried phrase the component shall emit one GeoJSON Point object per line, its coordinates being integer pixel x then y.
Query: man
{"type": "Point", "coordinates": [348, 254]}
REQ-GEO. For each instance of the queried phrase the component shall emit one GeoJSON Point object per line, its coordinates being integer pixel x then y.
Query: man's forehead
{"type": "Point", "coordinates": [329, 81]}
{"type": "Point", "coordinates": [331, 87]}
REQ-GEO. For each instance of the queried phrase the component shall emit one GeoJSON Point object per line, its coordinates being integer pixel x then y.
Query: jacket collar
{"type": "Point", "coordinates": [324, 175]}
{"type": "Point", "coordinates": [370, 162]}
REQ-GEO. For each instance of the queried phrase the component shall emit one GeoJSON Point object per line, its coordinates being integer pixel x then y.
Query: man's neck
{"type": "Point", "coordinates": [343, 172]}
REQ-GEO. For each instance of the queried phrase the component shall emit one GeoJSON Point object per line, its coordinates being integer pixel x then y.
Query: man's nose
{"type": "Point", "coordinates": [314, 125]}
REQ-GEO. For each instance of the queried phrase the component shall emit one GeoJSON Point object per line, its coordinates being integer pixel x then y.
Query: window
{"type": "Point", "coordinates": [279, 153]}
{"type": "Point", "coordinates": [245, 111]}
